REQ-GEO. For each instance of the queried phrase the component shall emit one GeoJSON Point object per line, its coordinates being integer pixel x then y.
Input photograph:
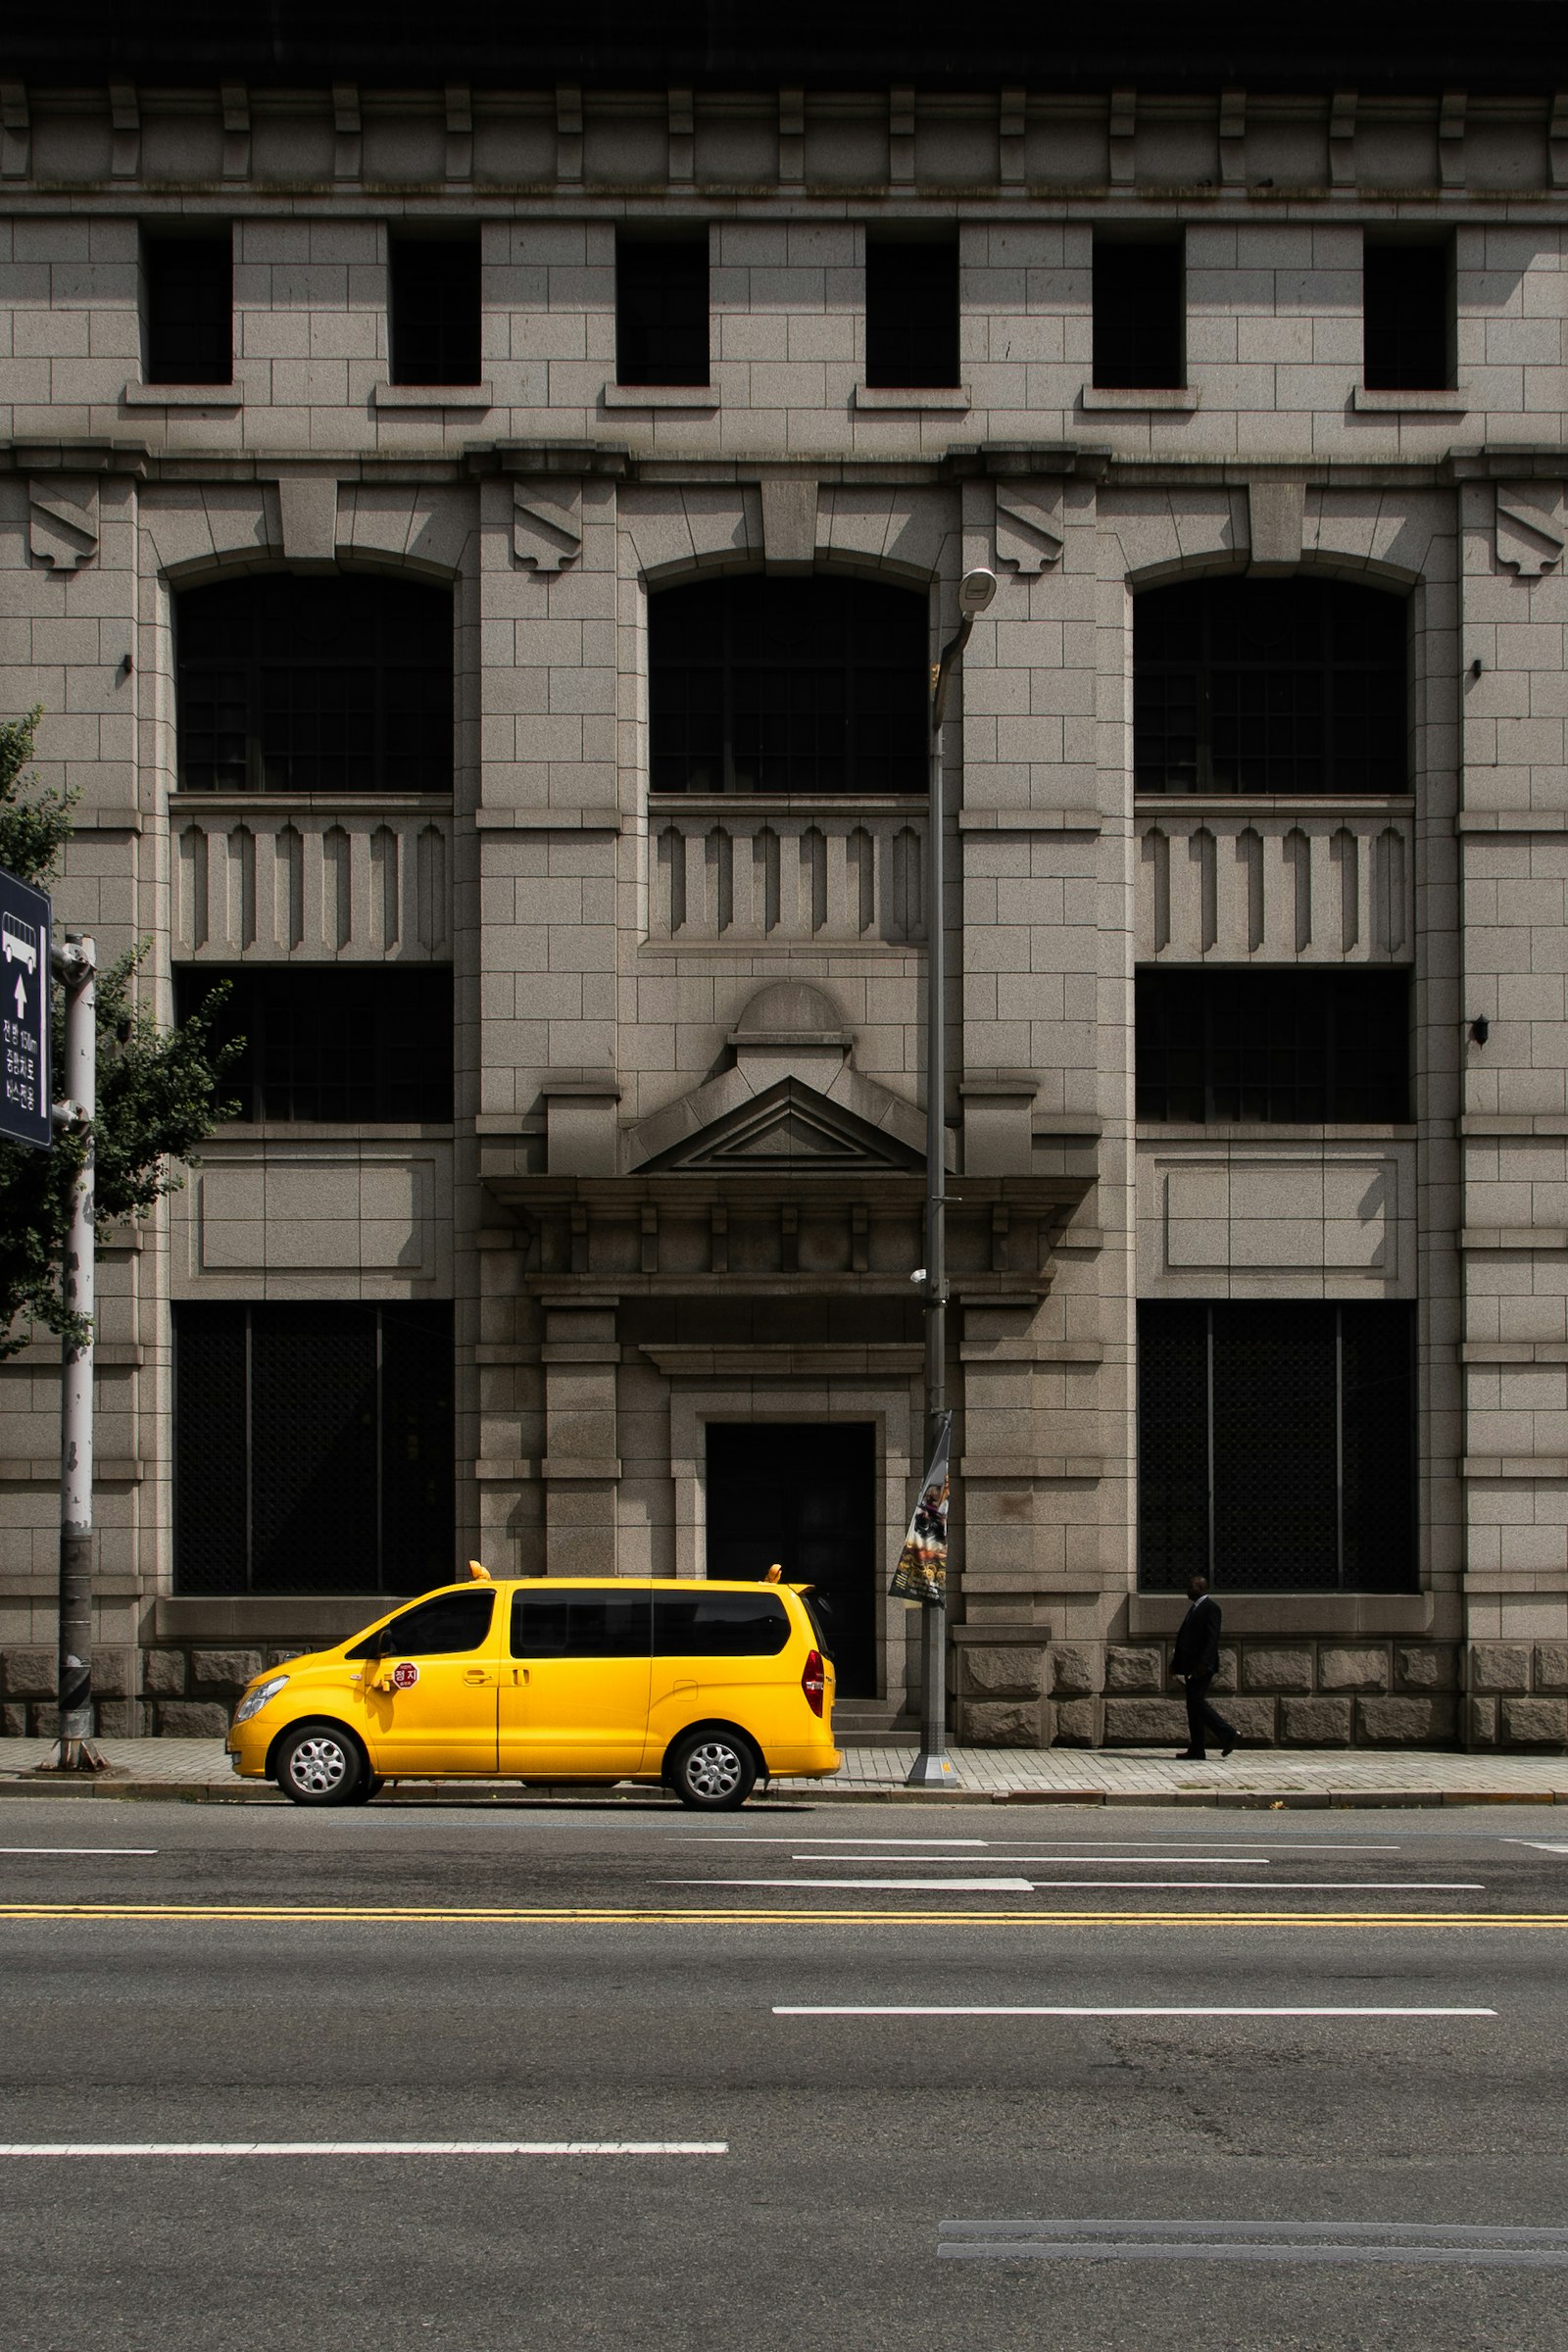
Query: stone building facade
{"type": "Point", "coordinates": [1257, 1030]}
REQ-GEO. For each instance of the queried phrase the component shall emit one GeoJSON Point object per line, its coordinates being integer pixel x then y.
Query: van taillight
{"type": "Point", "coordinates": [813, 1682]}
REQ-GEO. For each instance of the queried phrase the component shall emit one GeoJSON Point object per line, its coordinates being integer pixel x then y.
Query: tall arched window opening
{"type": "Point", "coordinates": [329, 684]}
{"type": "Point", "coordinates": [1269, 686]}
{"type": "Point", "coordinates": [763, 685]}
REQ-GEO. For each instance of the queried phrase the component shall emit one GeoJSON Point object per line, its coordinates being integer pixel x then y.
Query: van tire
{"type": "Point", "coordinates": [319, 1764]}
{"type": "Point", "coordinates": [712, 1769]}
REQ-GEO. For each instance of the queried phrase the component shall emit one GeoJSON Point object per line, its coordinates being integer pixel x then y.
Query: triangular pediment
{"type": "Point", "coordinates": [789, 1129]}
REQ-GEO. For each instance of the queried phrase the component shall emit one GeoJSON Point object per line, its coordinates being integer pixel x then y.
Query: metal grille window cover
{"type": "Point", "coordinates": [1276, 1447]}
{"type": "Point", "coordinates": [190, 298]}
{"type": "Point", "coordinates": [662, 330]}
{"type": "Point", "coordinates": [1138, 301]}
{"type": "Point", "coordinates": [762, 685]}
{"type": "Point", "coordinates": [435, 310]}
{"type": "Point", "coordinates": [1407, 316]}
{"type": "Point", "coordinates": [314, 1448]}
{"type": "Point", "coordinates": [356, 1046]}
{"type": "Point", "coordinates": [330, 685]}
{"type": "Point", "coordinates": [1269, 686]}
{"type": "Point", "coordinates": [1307, 1048]}
{"type": "Point", "coordinates": [911, 313]}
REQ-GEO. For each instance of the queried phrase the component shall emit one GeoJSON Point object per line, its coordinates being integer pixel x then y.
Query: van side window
{"type": "Point", "coordinates": [718, 1625]}
{"type": "Point", "coordinates": [453, 1621]}
{"type": "Point", "coordinates": [566, 1624]}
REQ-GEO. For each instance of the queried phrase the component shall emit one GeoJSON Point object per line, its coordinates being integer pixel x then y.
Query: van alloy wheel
{"type": "Point", "coordinates": [316, 1764]}
{"type": "Point", "coordinates": [712, 1771]}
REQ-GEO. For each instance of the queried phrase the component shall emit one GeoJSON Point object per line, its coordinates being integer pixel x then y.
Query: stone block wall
{"type": "Point", "coordinates": [181, 1691]}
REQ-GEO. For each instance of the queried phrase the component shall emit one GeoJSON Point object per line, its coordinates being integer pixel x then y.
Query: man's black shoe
{"type": "Point", "coordinates": [1227, 1751]}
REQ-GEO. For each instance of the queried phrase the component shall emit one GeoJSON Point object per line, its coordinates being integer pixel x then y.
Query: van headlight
{"type": "Point", "coordinates": [255, 1699]}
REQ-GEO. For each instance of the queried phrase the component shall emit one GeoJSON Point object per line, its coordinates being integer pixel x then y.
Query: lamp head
{"type": "Point", "coordinates": [975, 590]}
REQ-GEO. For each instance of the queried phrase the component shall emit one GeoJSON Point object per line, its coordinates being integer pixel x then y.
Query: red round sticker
{"type": "Point", "coordinates": [404, 1676]}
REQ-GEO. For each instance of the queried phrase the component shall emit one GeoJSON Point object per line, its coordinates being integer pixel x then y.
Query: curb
{"type": "Point", "coordinates": [431, 1793]}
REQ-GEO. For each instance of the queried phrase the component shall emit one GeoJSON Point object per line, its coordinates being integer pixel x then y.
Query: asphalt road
{"type": "Point", "coordinates": [623, 1978]}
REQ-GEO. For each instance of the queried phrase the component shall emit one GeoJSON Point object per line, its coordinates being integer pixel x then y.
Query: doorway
{"type": "Point", "coordinates": [802, 1493]}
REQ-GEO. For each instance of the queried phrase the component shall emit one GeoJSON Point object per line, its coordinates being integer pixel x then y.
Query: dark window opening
{"type": "Point", "coordinates": [1407, 316]}
{"type": "Point", "coordinates": [777, 686]}
{"type": "Point", "coordinates": [314, 1448]}
{"type": "Point", "coordinates": [189, 314]}
{"type": "Point", "coordinates": [1282, 686]}
{"type": "Point", "coordinates": [442, 1628]}
{"type": "Point", "coordinates": [355, 1045]}
{"type": "Point", "coordinates": [435, 307]}
{"type": "Point", "coordinates": [567, 1624]}
{"type": "Point", "coordinates": [1310, 1049]}
{"type": "Point", "coordinates": [1276, 1447]}
{"type": "Point", "coordinates": [662, 311]}
{"type": "Point", "coordinates": [290, 684]}
{"type": "Point", "coordinates": [911, 314]}
{"type": "Point", "coordinates": [718, 1625]}
{"type": "Point", "coordinates": [1140, 315]}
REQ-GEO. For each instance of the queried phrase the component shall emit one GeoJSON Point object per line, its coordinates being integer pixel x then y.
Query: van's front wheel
{"type": "Point", "coordinates": [712, 1772]}
{"type": "Point", "coordinates": [319, 1764]}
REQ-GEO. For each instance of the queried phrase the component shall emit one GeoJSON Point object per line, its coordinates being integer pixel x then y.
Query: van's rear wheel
{"type": "Point", "coordinates": [712, 1772]}
{"type": "Point", "coordinates": [317, 1764]}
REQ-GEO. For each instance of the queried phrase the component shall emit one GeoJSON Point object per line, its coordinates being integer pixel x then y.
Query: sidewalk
{"type": "Point", "coordinates": [198, 1768]}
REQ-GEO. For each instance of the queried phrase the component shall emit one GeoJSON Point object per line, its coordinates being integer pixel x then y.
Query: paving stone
{"type": "Point", "coordinates": [1315, 1722]}
{"type": "Point", "coordinates": [1134, 1670]}
{"type": "Point", "coordinates": [1005, 1670]}
{"type": "Point", "coordinates": [1353, 1670]}
{"type": "Point", "coordinates": [1277, 1670]}
{"type": "Point", "coordinates": [1499, 1666]}
{"type": "Point", "coordinates": [1534, 1722]}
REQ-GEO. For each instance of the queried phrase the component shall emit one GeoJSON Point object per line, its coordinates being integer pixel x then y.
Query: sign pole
{"type": "Point", "coordinates": [76, 965]}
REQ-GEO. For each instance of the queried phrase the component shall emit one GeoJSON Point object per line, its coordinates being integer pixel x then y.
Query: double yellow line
{"type": "Point", "coordinates": [598, 1916]}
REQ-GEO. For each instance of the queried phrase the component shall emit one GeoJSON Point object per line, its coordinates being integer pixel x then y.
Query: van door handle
{"type": "Point", "coordinates": [475, 1673]}
{"type": "Point", "coordinates": [520, 1673]}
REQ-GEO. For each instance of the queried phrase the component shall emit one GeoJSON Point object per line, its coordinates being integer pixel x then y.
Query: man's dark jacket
{"type": "Point", "coordinates": [1196, 1649]}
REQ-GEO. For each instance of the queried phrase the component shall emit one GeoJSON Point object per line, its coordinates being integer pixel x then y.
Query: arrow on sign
{"type": "Point", "coordinates": [21, 1000]}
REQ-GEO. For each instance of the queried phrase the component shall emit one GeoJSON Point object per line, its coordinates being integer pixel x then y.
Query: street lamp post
{"type": "Point", "coordinates": [932, 1767]}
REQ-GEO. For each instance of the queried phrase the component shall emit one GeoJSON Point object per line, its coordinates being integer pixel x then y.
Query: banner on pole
{"type": "Point", "coordinates": [922, 1570]}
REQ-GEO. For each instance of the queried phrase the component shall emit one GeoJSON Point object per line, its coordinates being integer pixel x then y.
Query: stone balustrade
{"type": "Point", "coordinates": [750, 871]}
{"type": "Point", "coordinates": [261, 878]}
{"type": "Point", "coordinates": [1311, 881]}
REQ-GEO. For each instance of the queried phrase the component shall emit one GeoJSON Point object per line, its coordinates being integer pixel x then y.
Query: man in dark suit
{"type": "Point", "coordinates": [1195, 1657]}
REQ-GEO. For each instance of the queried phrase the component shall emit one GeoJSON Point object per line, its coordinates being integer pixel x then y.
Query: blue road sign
{"type": "Point", "coordinates": [24, 918]}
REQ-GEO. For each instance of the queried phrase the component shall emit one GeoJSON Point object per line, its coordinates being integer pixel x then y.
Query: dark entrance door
{"type": "Point", "coordinates": [801, 1493]}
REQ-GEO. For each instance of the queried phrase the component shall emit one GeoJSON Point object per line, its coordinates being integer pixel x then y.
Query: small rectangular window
{"type": "Point", "coordinates": [190, 309]}
{"type": "Point", "coordinates": [314, 1448]}
{"type": "Point", "coordinates": [1276, 1447]}
{"type": "Point", "coordinates": [662, 311]}
{"type": "Point", "coordinates": [566, 1624]}
{"type": "Point", "coordinates": [718, 1625]}
{"type": "Point", "coordinates": [435, 307]}
{"type": "Point", "coordinates": [1140, 315]}
{"type": "Point", "coordinates": [346, 1043]}
{"type": "Point", "coordinates": [442, 1628]}
{"type": "Point", "coordinates": [1305, 1048]}
{"type": "Point", "coordinates": [911, 314]}
{"type": "Point", "coordinates": [1407, 315]}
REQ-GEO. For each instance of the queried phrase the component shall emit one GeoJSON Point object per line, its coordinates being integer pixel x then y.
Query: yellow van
{"type": "Point", "coordinates": [596, 1679]}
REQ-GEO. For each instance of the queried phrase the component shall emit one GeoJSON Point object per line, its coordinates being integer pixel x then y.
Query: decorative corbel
{"type": "Point", "coordinates": [1342, 140]}
{"type": "Point", "coordinates": [347, 145]}
{"type": "Point", "coordinates": [792, 138]}
{"type": "Point", "coordinates": [459, 132]}
{"type": "Point", "coordinates": [547, 524]}
{"type": "Point", "coordinates": [1232, 137]}
{"type": "Point", "coordinates": [1011, 126]}
{"type": "Point", "coordinates": [1557, 141]}
{"type": "Point", "coordinates": [236, 102]}
{"type": "Point", "coordinates": [63, 528]}
{"type": "Point", "coordinates": [1123, 132]}
{"type": "Point", "coordinates": [16, 132]}
{"type": "Point", "coordinates": [682, 139]}
{"type": "Point", "coordinates": [1451, 140]}
{"type": "Point", "coordinates": [1529, 533]}
{"type": "Point", "coordinates": [125, 147]}
{"type": "Point", "coordinates": [901, 138]}
{"type": "Point", "coordinates": [1029, 530]}
{"type": "Point", "coordinates": [568, 138]}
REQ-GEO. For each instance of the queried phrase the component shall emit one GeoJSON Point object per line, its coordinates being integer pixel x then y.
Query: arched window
{"type": "Point", "coordinates": [788, 685]}
{"type": "Point", "coordinates": [1293, 686]}
{"type": "Point", "coordinates": [323, 684]}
